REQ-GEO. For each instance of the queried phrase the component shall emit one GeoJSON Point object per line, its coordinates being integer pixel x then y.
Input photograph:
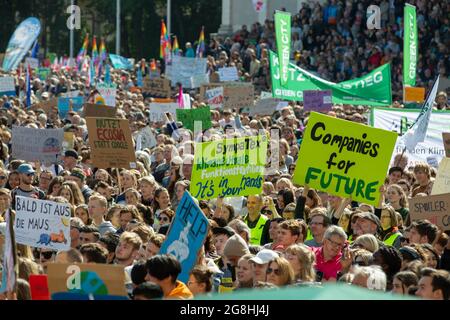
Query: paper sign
{"type": "Point", "coordinates": [198, 80]}
{"type": "Point", "coordinates": [189, 117]}
{"type": "Point", "coordinates": [157, 87]}
{"type": "Point", "coordinates": [344, 158]}
{"type": "Point", "coordinates": [145, 139]}
{"type": "Point", "coordinates": [111, 143]}
{"type": "Point", "coordinates": [68, 142]}
{"type": "Point", "coordinates": [265, 95]}
{"type": "Point", "coordinates": [229, 168]}
{"type": "Point", "coordinates": [441, 184]}
{"type": "Point", "coordinates": [33, 62]}
{"type": "Point", "coordinates": [98, 111]}
{"type": "Point", "coordinates": [96, 279]}
{"type": "Point", "coordinates": [316, 100]}
{"type": "Point", "coordinates": [414, 94]}
{"type": "Point", "coordinates": [183, 69]}
{"type": "Point", "coordinates": [43, 73]}
{"type": "Point", "coordinates": [186, 235]}
{"type": "Point", "coordinates": [108, 93]}
{"type": "Point", "coordinates": [446, 139]}
{"type": "Point", "coordinates": [157, 111]}
{"type": "Point", "coordinates": [42, 224]}
{"type": "Point", "coordinates": [39, 287]}
{"type": "Point", "coordinates": [214, 98]}
{"type": "Point", "coordinates": [7, 86]}
{"type": "Point", "coordinates": [71, 94]}
{"type": "Point", "coordinates": [37, 144]}
{"type": "Point", "coordinates": [265, 107]}
{"type": "Point", "coordinates": [64, 105]}
{"type": "Point", "coordinates": [228, 74]}
{"type": "Point", "coordinates": [435, 209]}
{"type": "Point", "coordinates": [236, 95]}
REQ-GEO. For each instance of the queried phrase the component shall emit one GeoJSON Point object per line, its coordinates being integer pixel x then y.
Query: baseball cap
{"type": "Point", "coordinates": [25, 169]}
{"type": "Point", "coordinates": [71, 153]}
{"type": "Point", "coordinates": [264, 256]}
{"type": "Point", "coordinates": [370, 216]}
{"type": "Point", "coordinates": [78, 173]}
{"type": "Point", "coordinates": [409, 252]}
{"type": "Point", "coordinates": [225, 230]}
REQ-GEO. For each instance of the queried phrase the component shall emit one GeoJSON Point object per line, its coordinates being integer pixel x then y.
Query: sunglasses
{"type": "Point", "coordinates": [2, 177]}
{"type": "Point", "coordinates": [30, 174]}
{"type": "Point", "coordinates": [47, 255]}
{"type": "Point", "coordinates": [163, 219]}
{"type": "Point", "coordinates": [276, 271]}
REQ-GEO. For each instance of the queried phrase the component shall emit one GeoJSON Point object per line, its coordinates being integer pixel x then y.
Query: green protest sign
{"type": "Point", "coordinates": [189, 116]}
{"type": "Point", "coordinates": [43, 73]}
{"type": "Point", "coordinates": [373, 89]}
{"type": "Point", "coordinates": [229, 168]}
{"type": "Point", "coordinates": [353, 158]}
{"type": "Point", "coordinates": [410, 47]}
{"type": "Point", "coordinates": [283, 35]}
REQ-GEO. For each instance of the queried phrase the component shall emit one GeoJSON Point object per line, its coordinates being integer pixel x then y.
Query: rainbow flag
{"type": "Point", "coordinates": [201, 44]}
{"type": "Point", "coordinates": [165, 42]}
{"type": "Point", "coordinates": [95, 51]}
{"type": "Point", "coordinates": [176, 46]}
{"type": "Point", "coordinates": [83, 50]}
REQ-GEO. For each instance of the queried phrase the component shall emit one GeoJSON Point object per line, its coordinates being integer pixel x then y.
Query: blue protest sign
{"type": "Point", "coordinates": [21, 42]}
{"type": "Point", "coordinates": [119, 62]}
{"type": "Point", "coordinates": [63, 105]}
{"type": "Point", "coordinates": [186, 235]}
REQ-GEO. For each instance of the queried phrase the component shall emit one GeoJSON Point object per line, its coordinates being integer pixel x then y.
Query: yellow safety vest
{"type": "Point", "coordinates": [309, 235]}
{"type": "Point", "coordinates": [256, 232]}
{"type": "Point", "coordinates": [389, 241]}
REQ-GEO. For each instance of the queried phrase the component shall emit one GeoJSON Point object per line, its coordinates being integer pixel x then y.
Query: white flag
{"type": "Point", "coordinates": [418, 131]}
{"type": "Point", "coordinates": [259, 5]}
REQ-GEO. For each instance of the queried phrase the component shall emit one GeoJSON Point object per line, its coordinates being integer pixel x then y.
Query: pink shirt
{"type": "Point", "coordinates": [329, 268]}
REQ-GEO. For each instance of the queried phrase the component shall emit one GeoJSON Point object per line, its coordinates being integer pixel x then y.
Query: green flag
{"type": "Point", "coordinates": [410, 49]}
{"type": "Point", "coordinates": [373, 89]}
{"type": "Point", "coordinates": [283, 34]}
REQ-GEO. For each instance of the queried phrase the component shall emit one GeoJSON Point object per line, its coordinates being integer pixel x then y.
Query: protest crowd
{"type": "Point", "coordinates": [288, 234]}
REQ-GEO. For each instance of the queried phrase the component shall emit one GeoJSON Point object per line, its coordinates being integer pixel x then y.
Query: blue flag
{"type": "Point", "coordinates": [108, 74]}
{"type": "Point", "coordinates": [28, 86]}
{"type": "Point", "coordinates": [92, 71]}
{"type": "Point", "coordinates": [119, 62]}
{"type": "Point", "coordinates": [35, 50]}
{"type": "Point", "coordinates": [139, 78]}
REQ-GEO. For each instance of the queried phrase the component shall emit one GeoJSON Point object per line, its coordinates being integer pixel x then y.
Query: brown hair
{"type": "Point", "coordinates": [131, 238]}
{"type": "Point", "coordinates": [286, 272]}
{"type": "Point", "coordinates": [203, 274]}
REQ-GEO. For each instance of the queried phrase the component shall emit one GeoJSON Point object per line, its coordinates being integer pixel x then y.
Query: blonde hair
{"type": "Point", "coordinates": [131, 238]}
{"type": "Point", "coordinates": [286, 272]}
{"type": "Point", "coordinates": [368, 242]}
{"type": "Point", "coordinates": [306, 258]}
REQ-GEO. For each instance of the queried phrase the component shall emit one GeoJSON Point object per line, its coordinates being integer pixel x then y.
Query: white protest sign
{"type": "Point", "coordinates": [265, 107]}
{"type": "Point", "coordinates": [183, 69]}
{"type": "Point", "coordinates": [7, 86]}
{"type": "Point", "coordinates": [145, 139]}
{"type": "Point", "coordinates": [157, 111]}
{"type": "Point", "coordinates": [71, 94]}
{"type": "Point", "coordinates": [33, 62]}
{"type": "Point", "coordinates": [214, 98]}
{"type": "Point", "coordinates": [228, 74]}
{"type": "Point", "coordinates": [265, 95]}
{"type": "Point", "coordinates": [442, 182]}
{"type": "Point", "coordinates": [37, 144]}
{"type": "Point", "coordinates": [108, 93]}
{"type": "Point", "coordinates": [42, 224]}
{"type": "Point", "coordinates": [198, 80]}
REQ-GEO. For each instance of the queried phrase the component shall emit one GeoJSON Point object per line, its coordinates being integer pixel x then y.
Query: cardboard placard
{"type": "Point", "coordinates": [236, 95]}
{"type": "Point", "coordinates": [441, 184]}
{"type": "Point", "coordinates": [157, 87]}
{"type": "Point", "coordinates": [42, 224]}
{"type": "Point", "coordinates": [37, 144]}
{"type": "Point", "coordinates": [229, 168]}
{"type": "Point", "coordinates": [413, 94]}
{"type": "Point", "coordinates": [186, 235]}
{"type": "Point", "coordinates": [99, 111]}
{"type": "Point", "coordinates": [435, 209]}
{"type": "Point", "coordinates": [446, 139]}
{"type": "Point", "coordinates": [97, 279]}
{"type": "Point", "coordinates": [111, 143]}
{"type": "Point", "coordinates": [344, 158]}
{"type": "Point", "coordinates": [49, 107]}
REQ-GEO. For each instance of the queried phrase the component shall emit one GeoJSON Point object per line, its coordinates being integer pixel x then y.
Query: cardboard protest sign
{"type": "Point", "coordinates": [7, 86]}
{"type": "Point", "coordinates": [189, 117]}
{"type": "Point", "coordinates": [64, 105]}
{"type": "Point", "coordinates": [229, 168]}
{"type": "Point", "coordinates": [37, 144]}
{"type": "Point", "coordinates": [145, 139]}
{"type": "Point", "coordinates": [413, 94]}
{"type": "Point", "coordinates": [317, 100]}
{"type": "Point", "coordinates": [214, 98]}
{"type": "Point", "coordinates": [236, 95]}
{"type": "Point", "coordinates": [98, 111]}
{"type": "Point", "coordinates": [228, 74]}
{"type": "Point", "coordinates": [435, 209]}
{"type": "Point", "coordinates": [157, 111]}
{"type": "Point", "coordinates": [42, 224]}
{"type": "Point", "coordinates": [265, 107]}
{"type": "Point", "coordinates": [111, 143]}
{"type": "Point", "coordinates": [186, 235]}
{"type": "Point", "coordinates": [49, 106]}
{"type": "Point", "coordinates": [352, 162]}
{"type": "Point", "coordinates": [157, 87]}
{"type": "Point", "coordinates": [446, 139]}
{"type": "Point", "coordinates": [183, 69]}
{"type": "Point", "coordinates": [108, 93]}
{"type": "Point", "coordinates": [96, 279]}
{"type": "Point", "coordinates": [441, 184]}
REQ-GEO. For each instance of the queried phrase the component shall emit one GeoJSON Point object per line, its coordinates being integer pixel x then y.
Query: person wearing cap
{"type": "Point", "coordinates": [260, 263]}
{"type": "Point", "coordinates": [70, 160]}
{"type": "Point", "coordinates": [234, 249]}
{"type": "Point", "coordinates": [26, 188]}
{"type": "Point", "coordinates": [79, 177]}
{"type": "Point", "coordinates": [367, 223]}
{"type": "Point", "coordinates": [254, 219]}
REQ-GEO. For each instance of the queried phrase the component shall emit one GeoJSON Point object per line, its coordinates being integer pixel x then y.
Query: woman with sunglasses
{"type": "Point", "coordinates": [165, 219]}
{"type": "Point", "coordinates": [280, 272]}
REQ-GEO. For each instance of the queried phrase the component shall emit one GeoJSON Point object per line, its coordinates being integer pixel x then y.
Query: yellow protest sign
{"type": "Point", "coordinates": [229, 168]}
{"type": "Point", "coordinates": [442, 183]}
{"type": "Point", "coordinates": [344, 158]}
